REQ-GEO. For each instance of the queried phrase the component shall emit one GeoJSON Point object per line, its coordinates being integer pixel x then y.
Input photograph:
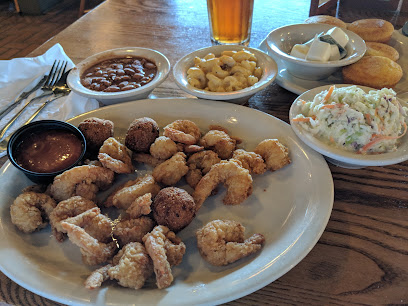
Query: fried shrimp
{"type": "Point", "coordinates": [131, 190]}
{"type": "Point", "coordinates": [94, 223]}
{"type": "Point", "coordinates": [184, 131]}
{"type": "Point", "coordinates": [236, 178]}
{"type": "Point", "coordinates": [93, 252]}
{"type": "Point", "coordinates": [275, 154]}
{"type": "Point", "coordinates": [97, 277]}
{"type": "Point", "coordinates": [163, 148]}
{"type": "Point", "coordinates": [66, 209]}
{"type": "Point", "coordinates": [145, 158]}
{"type": "Point", "coordinates": [30, 211]}
{"type": "Point", "coordinates": [199, 164]}
{"type": "Point", "coordinates": [134, 266]}
{"type": "Point", "coordinates": [132, 230]}
{"type": "Point", "coordinates": [192, 148]}
{"type": "Point", "coordinates": [220, 142]}
{"type": "Point", "coordinates": [166, 250]}
{"type": "Point", "coordinates": [250, 160]}
{"type": "Point", "coordinates": [222, 242]}
{"type": "Point", "coordinates": [115, 156]}
{"type": "Point", "coordinates": [140, 206]}
{"type": "Point", "coordinates": [172, 170]}
{"type": "Point", "coordinates": [84, 181]}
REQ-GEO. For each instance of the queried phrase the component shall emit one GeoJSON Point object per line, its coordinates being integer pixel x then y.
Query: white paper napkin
{"type": "Point", "coordinates": [20, 74]}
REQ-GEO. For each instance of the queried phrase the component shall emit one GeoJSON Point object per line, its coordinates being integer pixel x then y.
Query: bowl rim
{"type": "Point", "coordinates": [161, 61]}
{"type": "Point", "coordinates": [180, 72]}
{"type": "Point", "coordinates": [358, 43]}
{"type": "Point", "coordinates": [62, 125]}
{"type": "Point", "coordinates": [337, 154]}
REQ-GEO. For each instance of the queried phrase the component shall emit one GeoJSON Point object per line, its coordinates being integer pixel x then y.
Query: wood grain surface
{"type": "Point", "coordinates": [362, 256]}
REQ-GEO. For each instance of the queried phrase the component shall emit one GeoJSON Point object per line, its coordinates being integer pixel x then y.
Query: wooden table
{"type": "Point", "coordinates": [362, 257]}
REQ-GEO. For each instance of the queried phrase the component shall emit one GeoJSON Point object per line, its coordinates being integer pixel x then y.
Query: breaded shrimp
{"type": "Point", "coordinates": [250, 160]}
{"type": "Point", "coordinates": [93, 252]}
{"type": "Point", "coordinates": [132, 230]}
{"type": "Point", "coordinates": [66, 209]}
{"type": "Point", "coordinates": [134, 266]}
{"type": "Point", "coordinates": [94, 223]}
{"type": "Point", "coordinates": [97, 277]}
{"type": "Point", "coordinates": [192, 148]}
{"type": "Point", "coordinates": [163, 148]}
{"type": "Point", "coordinates": [222, 242]}
{"type": "Point", "coordinates": [141, 206]}
{"type": "Point", "coordinates": [220, 142]}
{"type": "Point", "coordinates": [84, 181]}
{"type": "Point", "coordinates": [172, 170]}
{"type": "Point", "coordinates": [199, 164]}
{"type": "Point", "coordinates": [166, 250]}
{"type": "Point", "coordinates": [124, 196]}
{"type": "Point", "coordinates": [30, 211]}
{"type": "Point", "coordinates": [148, 159]}
{"type": "Point", "coordinates": [275, 154]}
{"type": "Point", "coordinates": [115, 156]}
{"type": "Point", "coordinates": [236, 178]}
{"type": "Point", "coordinates": [184, 131]}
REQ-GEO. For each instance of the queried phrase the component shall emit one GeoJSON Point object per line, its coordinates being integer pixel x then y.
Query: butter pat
{"type": "Point", "coordinates": [319, 51]}
{"type": "Point", "coordinates": [334, 53]}
{"type": "Point", "coordinates": [339, 36]}
{"type": "Point", "coordinates": [299, 51]}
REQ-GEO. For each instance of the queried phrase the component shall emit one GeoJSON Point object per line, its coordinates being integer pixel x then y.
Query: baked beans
{"type": "Point", "coordinates": [119, 74]}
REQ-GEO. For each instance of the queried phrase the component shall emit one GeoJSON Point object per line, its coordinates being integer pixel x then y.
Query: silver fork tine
{"type": "Point", "coordinates": [53, 78]}
{"type": "Point", "coordinates": [50, 74]}
{"type": "Point", "coordinates": [61, 71]}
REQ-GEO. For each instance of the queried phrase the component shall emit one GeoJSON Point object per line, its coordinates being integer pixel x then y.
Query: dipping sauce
{"type": "Point", "coordinates": [48, 151]}
{"type": "Point", "coordinates": [119, 74]}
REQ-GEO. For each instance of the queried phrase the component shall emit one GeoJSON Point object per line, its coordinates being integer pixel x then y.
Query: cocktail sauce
{"type": "Point", "coordinates": [48, 151]}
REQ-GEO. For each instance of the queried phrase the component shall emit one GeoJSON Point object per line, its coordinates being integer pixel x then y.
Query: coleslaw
{"type": "Point", "coordinates": [351, 119]}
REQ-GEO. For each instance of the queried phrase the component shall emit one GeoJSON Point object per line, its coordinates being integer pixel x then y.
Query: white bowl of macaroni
{"type": "Point", "coordinates": [352, 126]}
{"type": "Point", "coordinates": [225, 73]}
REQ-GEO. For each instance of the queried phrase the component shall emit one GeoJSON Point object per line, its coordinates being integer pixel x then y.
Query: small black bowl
{"type": "Point", "coordinates": [35, 128]}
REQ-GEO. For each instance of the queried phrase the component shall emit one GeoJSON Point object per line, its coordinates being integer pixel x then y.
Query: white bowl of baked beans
{"type": "Point", "coordinates": [224, 72]}
{"type": "Point", "coordinates": [119, 75]}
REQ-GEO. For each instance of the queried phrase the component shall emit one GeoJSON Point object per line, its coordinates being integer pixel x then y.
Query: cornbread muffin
{"type": "Point", "coordinates": [327, 20]}
{"type": "Point", "coordinates": [380, 49]}
{"type": "Point", "coordinates": [377, 30]}
{"type": "Point", "coordinates": [373, 71]}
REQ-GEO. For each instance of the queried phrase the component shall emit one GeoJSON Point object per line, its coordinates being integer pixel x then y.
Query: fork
{"type": "Point", "coordinates": [62, 90]}
{"type": "Point", "coordinates": [56, 72]}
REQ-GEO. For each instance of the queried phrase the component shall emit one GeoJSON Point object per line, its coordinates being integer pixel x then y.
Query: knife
{"type": "Point", "coordinates": [22, 96]}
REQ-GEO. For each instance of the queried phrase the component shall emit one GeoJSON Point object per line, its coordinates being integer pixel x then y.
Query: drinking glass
{"type": "Point", "coordinates": [230, 21]}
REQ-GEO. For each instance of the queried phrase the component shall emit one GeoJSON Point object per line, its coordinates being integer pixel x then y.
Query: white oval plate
{"type": "Point", "coordinates": [291, 207]}
{"type": "Point", "coordinates": [338, 156]}
{"type": "Point", "coordinates": [299, 86]}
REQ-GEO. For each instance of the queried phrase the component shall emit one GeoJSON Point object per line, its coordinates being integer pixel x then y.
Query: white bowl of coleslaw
{"type": "Point", "coordinates": [352, 126]}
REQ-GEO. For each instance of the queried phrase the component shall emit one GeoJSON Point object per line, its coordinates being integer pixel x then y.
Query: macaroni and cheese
{"type": "Point", "coordinates": [232, 71]}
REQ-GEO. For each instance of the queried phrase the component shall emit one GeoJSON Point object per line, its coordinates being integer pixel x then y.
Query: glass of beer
{"type": "Point", "coordinates": [230, 21]}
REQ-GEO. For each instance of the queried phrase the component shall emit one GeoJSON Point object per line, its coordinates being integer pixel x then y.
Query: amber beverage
{"type": "Point", "coordinates": [230, 21]}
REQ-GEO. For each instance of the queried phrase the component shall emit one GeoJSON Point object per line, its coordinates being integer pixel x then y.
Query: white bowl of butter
{"type": "Point", "coordinates": [302, 52]}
